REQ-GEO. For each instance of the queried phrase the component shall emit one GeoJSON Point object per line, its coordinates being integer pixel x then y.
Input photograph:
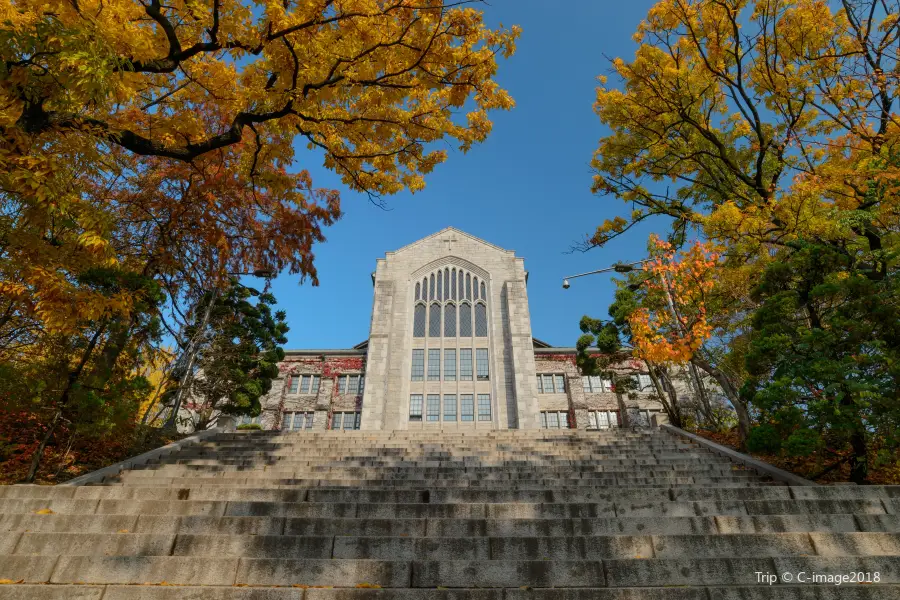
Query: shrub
{"type": "Point", "coordinates": [764, 438]}
{"type": "Point", "coordinates": [250, 426]}
{"type": "Point", "coordinates": [803, 442]}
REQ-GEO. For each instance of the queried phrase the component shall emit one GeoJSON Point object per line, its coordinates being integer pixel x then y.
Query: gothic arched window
{"type": "Point", "coordinates": [475, 286]}
{"type": "Point", "coordinates": [446, 284]}
{"type": "Point", "coordinates": [450, 321]}
{"type": "Point", "coordinates": [483, 295]}
{"type": "Point", "coordinates": [431, 288]}
{"type": "Point", "coordinates": [419, 321]}
{"type": "Point", "coordinates": [468, 287]}
{"type": "Point", "coordinates": [465, 320]}
{"type": "Point", "coordinates": [440, 287]}
{"type": "Point", "coordinates": [418, 291]}
{"type": "Point", "coordinates": [461, 285]}
{"type": "Point", "coordinates": [453, 284]}
{"type": "Point", "coordinates": [480, 320]}
{"type": "Point", "coordinates": [434, 321]}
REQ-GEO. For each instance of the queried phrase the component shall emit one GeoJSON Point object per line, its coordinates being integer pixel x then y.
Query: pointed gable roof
{"type": "Point", "coordinates": [445, 231]}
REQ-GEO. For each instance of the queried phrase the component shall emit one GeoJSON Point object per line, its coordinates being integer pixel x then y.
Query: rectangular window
{"type": "Point", "coordinates": [465, 364]}
{"type": "Point", "coordinates": [336, 419]}
{"type": "Point", "coordinates": [560, 383]}
{"type": "Point", "coordinates": [345, 421]}
{"type": "Point", "coordinates": [362, 384]}
{"type": "Point", "coordinates": [304, 385]}
{"type": "Point", "coordinates": [294, 420]}
{"type": "Point", "coordinates": [314, 388]}
{"type": "Point", "coordinates": [434, 364]}
{"type": "Point", "coordinates": [310, 417]}
{"type": "Point", "coordinates": [592, 420]}
{"type": "Point", "coordinates": [353, 384]}
{"type": "Point", "coordinates": [484, 407]}
{"type": "Point", "coordinates": [449, 364]}
{"type": "Point", "coordinates": [342, 384]}
{"type": "Point", "coordinates": [418, 365]}
{"type": "Point", "coordinates": [466, 407]}
{"type": "Point", "coordinates": [555, 419]}
{"type": "Point", "coordinates": [415, 407]}
{"type": "Point", "coordinates": [540, 385]}
{"type": "Point", "coordinates": [481, 363]}
{"type": "Point", "coordinates": [644, 381]}
{"type": "Point", "coordinates": [586, 385]}
{"type": "Point", "coordinates": [449, 407]}
{"type": "Point", "coordinates": [434, 407]}
{"type": "Point", "coordinates": [293, 384]}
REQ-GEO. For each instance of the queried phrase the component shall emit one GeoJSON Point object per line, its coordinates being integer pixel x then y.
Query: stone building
{"type": "Point", "coordinates": [450, 346]}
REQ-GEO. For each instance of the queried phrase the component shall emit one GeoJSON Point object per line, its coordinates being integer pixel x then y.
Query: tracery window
{"type": "Point", "coordinates": [480, 320]}
{"type": "Point", "coordinates": [465, 320]}
{"type": "Point", "coordinates": [434, 321]}
{"type": "Point", "coordinates": [450, 321]}
{"type": "Point", "coordinates": [419, 321]}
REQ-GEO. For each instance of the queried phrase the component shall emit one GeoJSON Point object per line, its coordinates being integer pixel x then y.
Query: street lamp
{"type": "Point", "coordinates": [618, 268]}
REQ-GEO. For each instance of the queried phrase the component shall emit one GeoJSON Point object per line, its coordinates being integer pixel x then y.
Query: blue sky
{"type": "Point", "coordinates": [526, 189]}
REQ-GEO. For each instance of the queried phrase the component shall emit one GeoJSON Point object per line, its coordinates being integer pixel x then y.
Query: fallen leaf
{"type": "Point", "coordinates": [44, 511]}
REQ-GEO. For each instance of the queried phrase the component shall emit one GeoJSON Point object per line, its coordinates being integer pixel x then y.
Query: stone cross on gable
{"type": "Point", "coordinates": [449, 241]}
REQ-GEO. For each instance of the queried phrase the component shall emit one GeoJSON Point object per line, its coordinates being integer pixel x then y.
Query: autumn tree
{"type": "Point", "coordinates": [761, 125]}
{"type": "Point", "coordinates": [160, 142]}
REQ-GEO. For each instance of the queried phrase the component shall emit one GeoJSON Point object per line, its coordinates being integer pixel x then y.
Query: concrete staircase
{"type": "Point", "coordinates": [561, 515]}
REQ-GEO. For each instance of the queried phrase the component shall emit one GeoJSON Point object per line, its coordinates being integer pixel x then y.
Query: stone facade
{"type": "Point", "coordinates": [450, 347]}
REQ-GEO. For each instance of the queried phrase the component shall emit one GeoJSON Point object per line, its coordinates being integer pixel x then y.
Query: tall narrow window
{"type": "Point", "coordinates": [449, 364]}
{"type": "Point", "coordinates": [342, 385]}
{"type": "Point", "coordinates": [336, 420]}
{"type": "Point", "coordinates": [540, 385]}
{"type": "Point", "coordinates": [449, 407]}
{"type": "Point", "coordinates": [434, 321]}
{"type": "Point", "coordinates": [548, 384]}
{"type": "Point", "coordinates": [314, 386]}
{"type": "Point", "coordinates": [453, 284]}
{"type": "Point", "coordinates": [461, 287]}
{"type": "Point", "coordinates": [466, 407]}
{"type": "Point", "coordinates": [465, 364]}
{"type": "Point", "coordinates": [465, 320]}
{"type": "Point", "coordinates": [560, 383]}
{"type": "Point", "coordinates": [431, 287]}
{"type": "Point", "coordinates": [293, 384]}
{"type": "Point", "coordinates": [415, 407]}
{"type": "Point", "coordinates": [484, 407]}
{"type": "Point", "coordinates": [434, 364]}
{"type": "Point", "coordinates": [418, 365]}
{"type": "Point", "coordinates": [353, 384]}
{"type": "Point", "coordinates": [475, 286]}
{"type": "Point", "coordinates": [446, 284]}
{"type": "Point", "coordinates": [434, 407]}
{"type": "Point", "coordinates": [468, 287]}
{"type": "Point", "coordinates": [419, 321]}
{"type": "Point", "coordinates": [440, 286]}
{"type": "Point", "coordinates": [362, 383]}
{"type": "Point", "coordinates": [481, 363]}
{"type": "Point", "coordinates": [304, 384]}
{"type": "Point", "coordinates": [480, 320]}
{"type": "Point", "coordinates": [586, 384]}
{"type": "Point", "coordinates": [450, 321]}
{"type": "Point", "coordinates": [418, 291]}
{"type": "Point", "coordinates": [483, 295]}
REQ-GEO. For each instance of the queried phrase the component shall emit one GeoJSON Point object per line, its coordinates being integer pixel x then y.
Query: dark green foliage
{"type": "Point", "coordinates": [803, 442]}
{"type": "Point", "coordinates": [239, 355]}
{"type": "Point", "coordinates": [249, 426]}
{"type": "Point", "coordinates": [825, 349]}
{"type": "Point", "coordinates": [765, 439]}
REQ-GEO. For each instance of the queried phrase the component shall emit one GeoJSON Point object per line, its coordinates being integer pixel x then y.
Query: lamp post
{"type": "Point", "coordinates": [190, 353]}
{"type": "Point", "coordinates": [618, 268]}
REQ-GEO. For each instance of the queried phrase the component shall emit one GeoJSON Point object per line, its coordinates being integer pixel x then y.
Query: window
{"type": "Point", "coordinates": [551, 384]}
{"type": "Point", "coordinates": [434, 364]}
{"type": "Point", "coordinates": [304, 385]}
{"type": "Point", "coordinates": [484, 407]}
{"type": "Point", "coordinates": [434, 321]}
{"type": "Point", "coordinates": [293, 384]}
{"type": "Point", "coordinates": [596, 384]}
{"type": "Point", "coordinates": [449, 407]}
{"type": "Point", "coordinates": [465, 320]}
{"type": "Point", "coordinates": [350, 384]}
{"type": "Point", "coordinates": [461, 285]}
{"type": "Point", "coordinates": [418, 365]}
{"type": "Point", "coordinates": [415, 407]}
{"type": "Point", "coordinates": [449, 364]}
{"type": "Point", "coordinates": [295, 421]}
{"type": "Point", "coordinates": [466, 407]}
{"type": "Point", "coordinates": [450, 321]}
{"type": "Point", "coordinates": [554, 419]}
{"type": "Point", "coordinates": [419, 321]}
{"type": "Point", "coordinates": [468, 287]}
{"type": "Point", "coordinates": [431, 288]}
{"type": "Point", "coordinates": [481, 363]}
{"type": "Point", "coordinates": [475, 286]}
{"type": "Point", "coordinates": [418, 290]}
{"type": "Point", "coordinates": [440, 287]}
{"type": "Point", "coordinates": [314, 389]}
{"type": "Point", "coordinates": [346, 421]}
{"type": "Point", "coordinates": [446, 284]}
{"type": "Point", "coordinates": [601, 419]}
{"type": "Point", "coordinates": [644, 382]}
{"type": "Point", "coordinates": [483, 296]}
{"type": "Point", "coordinates": [248, 420]}
{"type": "Point", "coordinates": [480, 320]}
{"type": "Point", "coordinates": [465, 364]}
{"type": "Point", "coordinates": [434, 407]}
{"type": "Point", "coordinates": [342, 385]}
{"type": "Point", "coordinates": [453, 284]}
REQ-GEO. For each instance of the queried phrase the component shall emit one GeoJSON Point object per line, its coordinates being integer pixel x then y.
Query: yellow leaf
{"type": "Point", "coordinates": [44, 511]}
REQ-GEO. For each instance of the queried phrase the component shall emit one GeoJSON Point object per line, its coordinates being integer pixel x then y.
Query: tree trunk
{"type": "Point", "coordinates": [731, 392]}
{"type": "Point", "coordinates": [36, 459]}
{"type": "Point", "coordinates": [671, 406]}
{"type": "Point", "coordinates": [859, 465]}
